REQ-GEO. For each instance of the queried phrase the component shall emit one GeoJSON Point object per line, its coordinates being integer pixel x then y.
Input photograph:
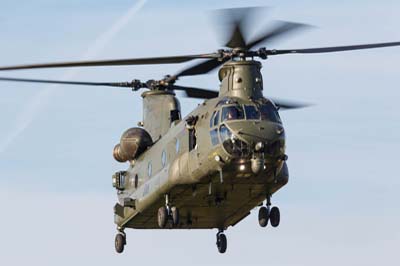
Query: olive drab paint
{"type": "Point", "coordinates": [212, 184]}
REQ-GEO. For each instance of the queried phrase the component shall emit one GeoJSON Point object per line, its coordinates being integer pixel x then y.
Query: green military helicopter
{"type": "Point", "coordinates": [226, 157]}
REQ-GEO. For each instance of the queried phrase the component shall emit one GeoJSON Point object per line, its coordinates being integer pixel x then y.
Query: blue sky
{"type": "Point", "coordinates": [341, 203]}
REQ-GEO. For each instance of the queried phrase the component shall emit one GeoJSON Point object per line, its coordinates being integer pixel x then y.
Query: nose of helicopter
{"type": "Point", "coordinates": [258, 131]}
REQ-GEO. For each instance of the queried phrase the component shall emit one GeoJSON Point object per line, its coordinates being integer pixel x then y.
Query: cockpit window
{"type": "Point", "coordinates": [225, 101]}
{"type": "Point", "coordinates": [233, 112]}
{"type": "Point", "coordinates": [216, 119]}
{"type": "Point", "coordinates": [225, 133]}
{"type": "Point", "coordinates": [269, 112]}
{"type": "Point", "coordinates": [212, 119]}
{"type": "Point", "coordinates": [251, 112]}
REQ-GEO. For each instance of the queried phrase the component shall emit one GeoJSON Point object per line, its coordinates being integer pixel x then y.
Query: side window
{"type": "Point", "coordinates": [216, 119]}
{"type": "Point", "coordinates": [269, 113]}
{"type": "Point", "coordinates": [177, 146]}
{"type": "Point", "coordinates": [212, 120]}
{"type": "Point", "coordinates": [192, 139]}
{"type": "Point", "coordinates": [214, 137]}
{"type": "Point", "coordinates": [163, 158]}
{"type": "Point", "coordinates": [149, 169]}
{"type": "Point", "coordinates": [175, 115]}
{"type": "Point", "coordinates": [136, 181]}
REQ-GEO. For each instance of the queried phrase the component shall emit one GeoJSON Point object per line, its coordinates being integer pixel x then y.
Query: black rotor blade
{"type": "Point", "coordinates": [202, 68]}
{"type": "Point", "coordinates": [110, 84]}
{"type": "Point", "coordinates": [237, 38]}
{"type": "Point", "coordinates": [196, 92]}
{"type": "Point", "coordinates": [334, 48]}
{"type": "Point", "coordinates": [285, 104]}
{"type": "Point", "coordinates": [279, 30]}
{"type": "Point", "coordinates": [117, 62]}
{"type": "Point", "coordinates": [236, 23]}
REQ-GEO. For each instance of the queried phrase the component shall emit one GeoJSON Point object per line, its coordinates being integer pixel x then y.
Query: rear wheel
{"type": "Point", "coordinates": [162, 217]}
{"type": "Point", "coordinates": [175, 216]}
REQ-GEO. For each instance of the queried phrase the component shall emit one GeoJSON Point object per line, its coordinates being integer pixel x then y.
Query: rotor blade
{"type": "Point", "coordinates": [235, 24]}
{"type": "Point", "coordinates": [202, 68]}
{"type": "Point", "coordinates": [117, 62]}
{"type": "Point", "coordinates": [279, 30]}
{"type": "Point", "coordinates": [334, 48]}
{"type": "Point", "coordinates": [237, 38]}
{"type": "Point", "coordinates": [112, 84]}
{"type": "Point", "coordinates": [196, 92]}
{"type": "Point", "coordinates": [285, 105]}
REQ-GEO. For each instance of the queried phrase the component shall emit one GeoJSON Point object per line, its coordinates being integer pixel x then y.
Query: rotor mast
{"type": "Point", "coordinates": [242, 79]}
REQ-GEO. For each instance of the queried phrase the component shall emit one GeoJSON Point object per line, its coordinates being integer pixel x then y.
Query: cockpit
{"type": "Point", "coordinates": [229, 111]}
{"type": "Point", "coordinates": [265, 111]}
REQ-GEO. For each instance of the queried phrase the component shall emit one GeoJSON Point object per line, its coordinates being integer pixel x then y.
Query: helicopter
{"type": "Point", "coordinates": [207, 170]}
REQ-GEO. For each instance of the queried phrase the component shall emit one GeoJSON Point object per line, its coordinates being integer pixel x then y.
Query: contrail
{"type": "Point", "coordinates": [27, 116]}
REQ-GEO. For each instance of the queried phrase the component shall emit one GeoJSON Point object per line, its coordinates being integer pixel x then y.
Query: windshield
{"type": "Point", "coordinates": [251, 112]}
{"type": "Point", "coordinates": [233, 112]}
{"type": "Point", "coordinates": [269, 112]}
{"type": "Point", "coordinates": [231, 143]}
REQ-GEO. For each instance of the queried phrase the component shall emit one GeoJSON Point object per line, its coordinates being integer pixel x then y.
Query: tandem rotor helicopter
{"type": "Point", "coordinates": [227, 156]}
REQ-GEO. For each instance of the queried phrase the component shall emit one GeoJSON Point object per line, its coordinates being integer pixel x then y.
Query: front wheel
{"type": "Point", "coordinates": [222, 243]}
{"type": "Point", "coordinates": [263, 216]}
{"type": "Point", "coordinates": [119, 243]}
{"type": "Point", "coordinates": [275, 216]}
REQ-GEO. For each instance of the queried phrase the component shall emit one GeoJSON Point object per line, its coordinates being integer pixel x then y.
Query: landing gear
{"type": "Point", "coordinates": [120, 241]}
{"type": "Point", "coordinates": [175, 216]}
{"type": "Point", "coordinates": [263, 216]}
{"type": "Point", "coordinates": [275, 216]}
{"type": "Point", "coordinates": [268, 213]}
{"type": "Point", "coordinates": [221, 241]}
{"type": "Point", "coordinates": [166, 213]}
{"type": "Point", "coordinates": [162, 217]}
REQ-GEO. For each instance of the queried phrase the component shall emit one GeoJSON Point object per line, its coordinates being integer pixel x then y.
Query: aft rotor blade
{"type": "Point", "coordinates": [197, 92]}
{"type": "Point", "coordinates": [285, 104]}
{"type": "Point", "coordinates": [279, 30]}
{"type": "Point", "coordinates": [110, 84]}
{"type": "Point", "coordinates": [116, 62]}
{"type": "Point", "coordinates": [334, 48]}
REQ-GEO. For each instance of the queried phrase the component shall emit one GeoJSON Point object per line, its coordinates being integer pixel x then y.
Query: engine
{"type": "Point", "coordinates": [133, 142]}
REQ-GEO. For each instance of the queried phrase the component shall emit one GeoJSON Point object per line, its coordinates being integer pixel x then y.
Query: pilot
{"type": "Point", "coordinates": [232, 113]}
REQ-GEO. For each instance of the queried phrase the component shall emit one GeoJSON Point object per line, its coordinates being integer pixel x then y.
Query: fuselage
{"type": "Point", "coordinates": [219, 162]}
{"type": "Point", "coordinates": [231, 138]}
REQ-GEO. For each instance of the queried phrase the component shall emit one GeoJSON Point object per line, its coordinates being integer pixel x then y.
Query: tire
{"type": "Point", "coordinates": [222, 243]}
{"type": "Point", "coordinates": [175, 216]}
{"type": "Point", "coordinates": [275, 216]}
{"type": "Point", "coordinates": [162, 217]}
{"type": "Point", "coordinates": [119, 243]}
{"type": "Point", "coordinates": [263, 216]}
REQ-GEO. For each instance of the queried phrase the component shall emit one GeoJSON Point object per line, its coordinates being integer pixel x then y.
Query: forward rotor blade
{"type": "Point", "coordinates": [280, 30]}
{"type": "Point", "coordinates": [286, 105]}
{"type": "Point", "coordinates": [197, 92]}
{"type": "Point", "coordinates": [237, 38]}
{"type": "Point", "coordinates": [117, 62]}
{"type": "Point", "coordinates": [202, 68]}
{"type": "Point", "coordinates": [110, 84]}
{"type": "Point", "coordinates": [334, 48]}
{"type": "Point", "coordinates": [236, 23]}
